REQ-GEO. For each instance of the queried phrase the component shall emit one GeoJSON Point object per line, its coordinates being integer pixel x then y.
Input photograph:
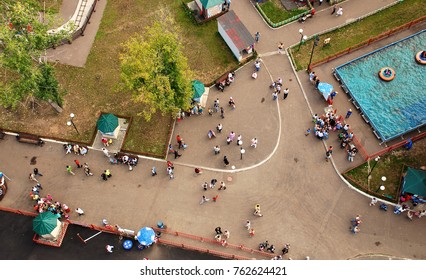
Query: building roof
{"type": "Point", "coordinates": [236, 30]}
{"type": "Point", "coordinates": [211, 3]}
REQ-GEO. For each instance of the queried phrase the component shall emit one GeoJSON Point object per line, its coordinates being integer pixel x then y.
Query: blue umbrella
{"type": "Point", "coordinates": [325, 89]}
{"type": "Point", "coordinates": [146, 236]}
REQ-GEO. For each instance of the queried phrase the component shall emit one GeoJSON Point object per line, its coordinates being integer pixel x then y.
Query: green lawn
{"type": "Point", "coordinates": [274, 10]}
{"type": "Point", "coordinates": [390, 166]}
{"type": "Point", "coordinates": [358, 32]}
{"type": "Point", "coordinates": [95, 88]}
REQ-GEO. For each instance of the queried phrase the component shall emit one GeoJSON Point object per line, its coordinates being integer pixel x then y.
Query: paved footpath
{"type": "Point", "coordinates": [303, 199]}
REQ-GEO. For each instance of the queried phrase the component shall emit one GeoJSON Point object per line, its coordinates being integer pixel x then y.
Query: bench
{"type": "Point", "coordinates": [30, 139]}
{"type": "Point", "coordinates": [224, 81]}
{"type": "Point", "coordinates": [221, 82]}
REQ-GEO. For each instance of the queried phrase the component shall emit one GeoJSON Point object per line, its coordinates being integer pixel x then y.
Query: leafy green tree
{"type": "Point", "coordinates": [155, 70]}
{"type": "Point", "coordinates": [23, 39]}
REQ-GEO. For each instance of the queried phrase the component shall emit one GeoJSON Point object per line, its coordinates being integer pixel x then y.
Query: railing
{"type": "Point", "coordinates": [202, 250]}
{"type": "Point", "coordinates": [125, 233]}
{"type": "Point", "coordinates": [396, 146]}
{"type": "Point", "coordinates": [213, 241]}
{"type": "Point", "coordinates": [367, 42]}
{"type": "Point", "coordinates": [284, 22]}
{"type": "Point", "coordinates": [80, 31]}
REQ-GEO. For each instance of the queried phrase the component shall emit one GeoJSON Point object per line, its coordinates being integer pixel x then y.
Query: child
{"type": "Point", "coordinates": [308, 131]}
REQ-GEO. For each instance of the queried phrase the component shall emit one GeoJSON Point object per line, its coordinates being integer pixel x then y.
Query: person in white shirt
{"type": "Point", "coordinates": [254, 142]}
{"type": "Point", "coordinates": [109, 248]}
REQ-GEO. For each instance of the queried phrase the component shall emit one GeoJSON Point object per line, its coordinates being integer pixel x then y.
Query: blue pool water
{"type": "Point", "coordinates": [396, 107]}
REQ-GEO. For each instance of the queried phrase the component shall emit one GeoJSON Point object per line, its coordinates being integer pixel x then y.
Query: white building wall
{"type": "Point", "coordinates": [229, 42]}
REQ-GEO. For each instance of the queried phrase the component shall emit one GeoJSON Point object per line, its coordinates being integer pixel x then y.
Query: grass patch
{"type": "Point", "coordinates": [358, 32]}
{"type": "Point", "coordinates": [95, 88]}
{"type": "Point", "coordinates": [390, 166]}
{"type": "Point", "coordinates": [276, 12]}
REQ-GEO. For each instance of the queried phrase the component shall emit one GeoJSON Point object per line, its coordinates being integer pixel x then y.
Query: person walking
{"type": "Point", "coordinates": [239, 140]}
{"type": "Point", "coordinates": [109, 248]}
{"type": "Point", "coordinates": [232, 136]}
{"type": "Point", "coordinates": [36, 172]}
{"type": "Point", "coordinates": [348, 114]}
{"type": "Point", "coordinates": [247, 225]}
{"type": "Point", "coordinates": [204, 199]}
{"type": "Point", "coordinates": [257, 37]}
{"type": "Point", "coordinates": [69, 170]}
{"type": "Point", "coordinates": [226, 233]}
{"type": "Point", "coordinates": [274, 95]}
{"type": "Point", "coordinates": [339, 12]}
{"type": "Point", "coordinates": [218, 230]}
{"type": "Point", "coordinates": [251, 232]}
{"type": "Point", "coordinates": [225, 161]}
{"type": "Point", "coordinates": [216, 149]}
{"type": "Point", "coordinates": [205, 186]}
{"type": "Point", "coordinates": [222, 113]}
{"type": "Point", "coordinates": [32, 177]}
{"type": "Point", "coordinates": [154, 171]}
{"type": "Point", "coordinates": [285, 249]}
{"type": "Point", "coordinates": [328, 153]}
{"type": "Point", "coordinates": [373, 201]}
{"type": "Point", "coordinates": [213, 183]}
{"type": "Point", "coordinates": [78, 163]}
{"type": "Point", "coordinates": [87, 169]}
{"type": "Point", "coordinates": [280, 47]}
{"type": "Point", "coordinates": [222, 186]}
{"type": "Point", "coordinates": [176, 153]}
{"type": "Point", "coordinates": [179, 141]}
{"type": "Point", "coordinates": [257, 211]}
{"type": "Point", "coordinates": [79, 211]}
{"type": "Point", "coordinates": [334, 9]}
{"type": "Point", "coordinates": [286, 91]}
{"type": "Point", "coordinates": [105, 151]}
{"type": "Point", "coordinates": [254, 142]}
{"type": "Point", "coordinates": [219, 128]}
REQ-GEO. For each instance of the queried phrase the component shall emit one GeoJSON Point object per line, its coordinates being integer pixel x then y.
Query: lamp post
{"type": "Point", "coordinates": [242, 151]}
{"type": "Point", "coordinates": [302, 38]}
{"type": "Point", "coordinates": [375, 163]}
{"type": "Point", "coordinates": [382, 188]}
{"type": "Point", "coordinates": [71, 122]}
{"type": "Point", "coordinates": [316, 41]}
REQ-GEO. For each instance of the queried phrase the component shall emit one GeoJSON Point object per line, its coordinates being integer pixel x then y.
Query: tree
{"type": "Point", "coordinates": [23, 39]}
{"type": "Point", "coordinates": [154, 69]}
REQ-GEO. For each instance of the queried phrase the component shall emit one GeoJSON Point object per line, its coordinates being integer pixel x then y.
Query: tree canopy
{"type": "Point", "coordinates": [154, 68]}
{"type": "Point", "coordinates": [23, 38]}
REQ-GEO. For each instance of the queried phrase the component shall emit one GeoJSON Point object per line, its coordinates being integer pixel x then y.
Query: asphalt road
{"type": "Point", "coordinates": [16, 244]}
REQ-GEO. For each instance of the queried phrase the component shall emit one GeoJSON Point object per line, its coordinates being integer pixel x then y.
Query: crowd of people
{"type": "Point", "coordinates": [44, 204]}
{"type": "Point", "coordinates": [331, 122]}
{"type": "Point", "coordinates": [76, 149]}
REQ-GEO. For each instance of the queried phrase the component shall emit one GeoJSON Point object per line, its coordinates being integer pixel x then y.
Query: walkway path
{"type": "Point", "coordinates": [304, 201]}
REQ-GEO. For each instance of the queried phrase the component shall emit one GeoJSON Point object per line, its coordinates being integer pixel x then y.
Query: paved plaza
{"type": "Point", "coordinates": [303, 198]}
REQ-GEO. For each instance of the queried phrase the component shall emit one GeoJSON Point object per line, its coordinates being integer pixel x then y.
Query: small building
{"type": "Point", "coordinates": [210, 8]}
{"type": "Point", "coordinates": [236, 35]}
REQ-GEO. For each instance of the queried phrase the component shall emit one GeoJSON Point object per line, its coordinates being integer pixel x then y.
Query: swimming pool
{"type": "Point", "coordinates": [396, 107]}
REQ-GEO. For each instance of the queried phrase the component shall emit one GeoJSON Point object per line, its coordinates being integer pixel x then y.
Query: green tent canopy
{"type": "Point", "coordinates": [415, 182]}
{"type": "Point", "coordinates": [210, 3]}
{"type": "Point", "coordinates": [198, 88]}
{"type": "Point", "coordinates": [107, 123]}
{"type": "Point", "coordinates": [45, 223]}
